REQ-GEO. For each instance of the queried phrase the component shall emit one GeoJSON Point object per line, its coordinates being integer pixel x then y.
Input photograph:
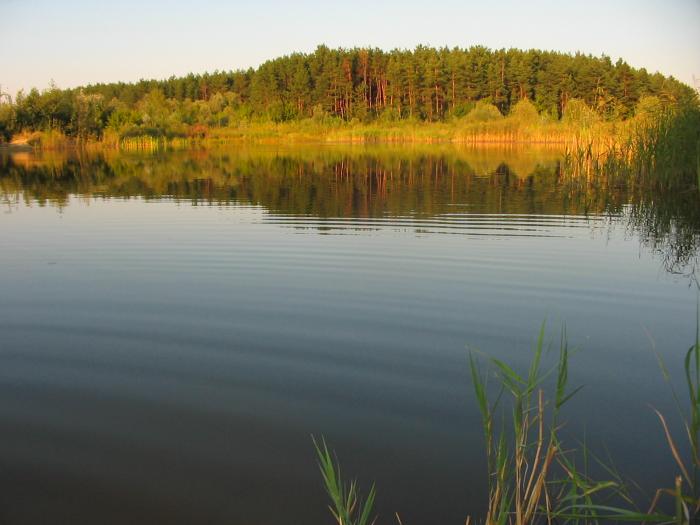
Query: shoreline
{"type": "Point", "coordinates": [146, 142]}
{"type": "Point", "coordinates": [16, 146]}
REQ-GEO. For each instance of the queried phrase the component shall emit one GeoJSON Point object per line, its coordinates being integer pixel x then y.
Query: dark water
{"type": "Point", "coordinates": [175, 327]}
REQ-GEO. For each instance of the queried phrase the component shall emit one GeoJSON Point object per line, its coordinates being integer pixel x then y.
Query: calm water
{"type": "Point", "coordinates": [175, 327]}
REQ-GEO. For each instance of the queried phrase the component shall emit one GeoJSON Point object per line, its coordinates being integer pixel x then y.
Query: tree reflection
{"type": "Point", "coordinates": [366, 182]}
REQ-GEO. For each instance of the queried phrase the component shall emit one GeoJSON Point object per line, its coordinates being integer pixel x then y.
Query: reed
{"type": "Point", "coordinates": [347, 505]}
{"type": "Point", "coordinates": [532, 477]}
{"type": "Point", "coordinates": [662, 151]}
{"type": "Point", "coordinates": [525, 457]}
{"type": "Point", "coordinates": [686, 500]}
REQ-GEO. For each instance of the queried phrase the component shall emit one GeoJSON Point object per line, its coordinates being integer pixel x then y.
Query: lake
{"type": "Point", "coordinates": [176, 326]}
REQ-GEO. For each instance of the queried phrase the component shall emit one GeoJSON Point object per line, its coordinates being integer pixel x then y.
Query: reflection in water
{"type": "Point", "coordinates": [341, 189]}
{"type": "Point", "coordinates": [175, 326]}
{"type": "Point", "coordinates": [670, 226]}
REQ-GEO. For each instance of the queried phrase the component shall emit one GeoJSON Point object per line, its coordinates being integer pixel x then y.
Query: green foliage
{"type": "Point", "coordinates": [462, 109]}
{"type": "Point", "coordinates": [424, 84]}
{"type": "Point", "coordinates": [7, 121]}
{"type": "Point", "coordinates": [649, 107]}
{"type": "Point", "coordinates": [533, 478]}
{"type": "Point", "coordinates": [389, 115]}
{"type": "Point", "coordinates": [660, 148]}
{"type": "Point", "coordinates": [525, 112]}
{"type": "Point", "coordinates": [347, 505]}
{"type": "Point", "coordinates": [122, 118]}
{"type": "Point", "coordinates": [483, 112]}
{"type": "Point", "coordinates": [89, 116]}
{"type": "Point", "coordinates": [153, 110]}
{"type": "Point", "coordinates": [577, 113]}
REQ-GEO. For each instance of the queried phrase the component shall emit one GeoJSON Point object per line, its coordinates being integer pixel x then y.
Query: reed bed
{"type": "Point", "coordinates": [663, 152]}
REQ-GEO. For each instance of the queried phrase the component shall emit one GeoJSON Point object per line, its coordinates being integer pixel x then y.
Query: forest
{"type": "Point", "coordinates": [334, 86]}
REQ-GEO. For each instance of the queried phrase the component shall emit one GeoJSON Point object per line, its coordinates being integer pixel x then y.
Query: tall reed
{"type": "Point", "coordinates": [661, 151]}
{"type": "Point", "coordinates": [687, 501]}
{"type": "Point", "coordinates": [533, 477]}
{"type": "Point", "coordinates": [347, 505]}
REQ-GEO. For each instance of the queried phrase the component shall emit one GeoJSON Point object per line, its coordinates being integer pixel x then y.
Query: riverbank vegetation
{"type": "Point", "coordinates": [659, 148]}
{"type": "Point", "coordinates": [426, 94]}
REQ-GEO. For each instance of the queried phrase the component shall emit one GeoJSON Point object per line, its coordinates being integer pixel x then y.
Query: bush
{"type": "Point", "coordinates": [483, 112]}
{"type": "Point", "coordinates": [7, 117]}
{"type": "Point", "coordinates": [462, 109]}
{"type": "Point", "coordinates": [525, 112]}
{"type": "Point", "coordinates": [389, 115]}
{"type": "Point", "coordinates": [649, 108]}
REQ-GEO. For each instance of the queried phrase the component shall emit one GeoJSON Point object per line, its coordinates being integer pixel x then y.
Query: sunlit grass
{"type": "Point", "coordinates": [663, 152]}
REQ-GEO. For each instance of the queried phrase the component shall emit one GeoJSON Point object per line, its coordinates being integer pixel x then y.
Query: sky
{"type": "Point", "coordinates": [76, 42]}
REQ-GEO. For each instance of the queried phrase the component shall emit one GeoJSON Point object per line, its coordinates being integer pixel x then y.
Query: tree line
{"type": "Point", "coordinates": [355, 85]}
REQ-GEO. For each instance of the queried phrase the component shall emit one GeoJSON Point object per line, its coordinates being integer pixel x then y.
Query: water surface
{"type": "Point", "coordinates": [176, 326]}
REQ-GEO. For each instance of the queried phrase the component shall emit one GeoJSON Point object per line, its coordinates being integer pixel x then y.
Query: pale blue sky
{"type": "Point", "coordinates": [76, 42]}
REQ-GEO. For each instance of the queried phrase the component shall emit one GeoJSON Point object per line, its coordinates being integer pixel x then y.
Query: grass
{"type": "Point", "coordinates": [347, 505]}
{"type": "Point", "coordinates": [687, 501]}
{"type": "Point", "coordinates": [663, 152]}
{"type": "Point", "coordinates": [508, 130]}
{"type": "Point", "coordinates": [533, 477]}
